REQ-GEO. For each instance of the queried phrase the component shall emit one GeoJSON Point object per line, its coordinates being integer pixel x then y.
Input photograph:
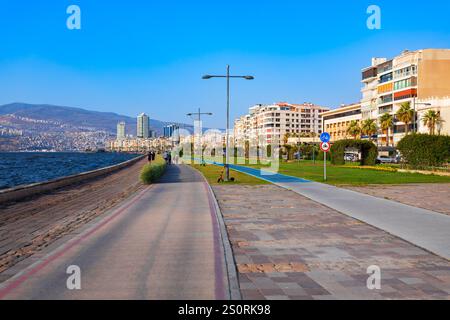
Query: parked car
{"type": "Point", "coordinates": [386, 159]}
{"type": "Point", "coordinates": [351, 157]}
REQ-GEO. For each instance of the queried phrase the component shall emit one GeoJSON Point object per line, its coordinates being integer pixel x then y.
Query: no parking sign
{"type": "Point", "coordinates": [325, 147]}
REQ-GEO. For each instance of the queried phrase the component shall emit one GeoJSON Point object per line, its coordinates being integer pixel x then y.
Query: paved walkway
{"type": "Point", "coordinates": [164, 243]}
{"type": "Point", "coordinates": [424, 228]}
{"type": "Point", "coordinates": [287, 246]}
{"type": "Point", "coordinates": [430, 196]}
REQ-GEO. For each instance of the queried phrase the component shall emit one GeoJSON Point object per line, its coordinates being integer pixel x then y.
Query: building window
{"type": "Point", "coordinates": [386, 77]}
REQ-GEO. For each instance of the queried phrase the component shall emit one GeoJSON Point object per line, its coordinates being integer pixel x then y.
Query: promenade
{"type": "Point", "coordinates": [30, 225]}
{"type": "Point", "coordinates": [162, 243]}
{"type": "Point", "coordinates": [424, 228]}
{"type": "Point", "coordinates": [287, 246]}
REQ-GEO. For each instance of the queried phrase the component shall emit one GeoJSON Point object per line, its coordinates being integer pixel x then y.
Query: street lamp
{"type": "Point", "coordinates": [199, 114]}
{"type": "Point", "coordinates": [228, 77]}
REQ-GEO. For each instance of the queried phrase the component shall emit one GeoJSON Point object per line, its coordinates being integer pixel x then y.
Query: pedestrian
{"type": "Point", "coordinates": [165, 156]}
{"type": "Point", "coordinates": [169, 156]}
{"type": "Point", "coordinates": [153, 155]}
{"type": "Point", "coordinates": [149, 157]}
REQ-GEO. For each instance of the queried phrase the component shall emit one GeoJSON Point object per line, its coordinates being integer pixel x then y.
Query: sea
{"type": "Point", "coordinates": [24, 168]}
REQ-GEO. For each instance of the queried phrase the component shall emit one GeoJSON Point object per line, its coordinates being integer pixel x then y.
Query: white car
{"type": "Point", "coordinates": [386, 159]}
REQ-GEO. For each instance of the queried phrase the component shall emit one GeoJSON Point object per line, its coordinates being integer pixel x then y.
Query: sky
{"type": "Point", "coordinates": [149, 56]}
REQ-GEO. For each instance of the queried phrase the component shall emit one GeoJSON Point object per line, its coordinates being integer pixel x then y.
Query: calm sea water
{"type": "Point", "coordinates": [25, 168]}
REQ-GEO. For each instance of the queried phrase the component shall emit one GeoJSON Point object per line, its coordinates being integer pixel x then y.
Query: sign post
{"type": "Point", "coordinates": [325, 146]}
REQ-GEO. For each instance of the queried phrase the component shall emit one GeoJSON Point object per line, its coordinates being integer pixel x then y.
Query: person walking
{"type": "Point", "coordinates": [150, 157]}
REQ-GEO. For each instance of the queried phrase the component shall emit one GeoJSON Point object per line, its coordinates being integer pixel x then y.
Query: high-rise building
{"type": "Point", "coordinates": [121, 130]}
{"type": "Point", "coordinates": [143, 126]}
{"type": "Point", "coordinates": [170, 130]}
{"type": "Point", "coordinates": [420, 78]}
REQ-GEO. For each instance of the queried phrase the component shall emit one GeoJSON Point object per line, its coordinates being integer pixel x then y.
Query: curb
{"type": "Point", "coordinates": [233, 279]}
{"type": "Point", "coordinates": [230, 262]}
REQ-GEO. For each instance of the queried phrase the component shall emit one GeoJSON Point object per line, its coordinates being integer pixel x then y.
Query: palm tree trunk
{"type": "Point", "coordinates": [387, 137]}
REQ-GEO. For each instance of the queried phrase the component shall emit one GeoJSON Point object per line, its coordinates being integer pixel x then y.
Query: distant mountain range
{"type": "Point", "coordinates": [77, 117]}
{"type": "Point", "coordinates": [37, 127]}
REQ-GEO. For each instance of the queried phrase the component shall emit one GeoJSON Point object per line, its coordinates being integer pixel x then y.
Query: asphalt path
{"type": "Point", "coordinates": [163, 243]}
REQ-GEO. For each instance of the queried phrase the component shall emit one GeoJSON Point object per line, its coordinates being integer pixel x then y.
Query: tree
{"type": "Point", "coordinates": [354, 129]}
{"type": "Point", "coordinates": [431, 119]}
{"type": "Point", "coordinates": [405, 114]}
{"type": "Point", "coordinates": [386, 123]}
{"type": "Point", "coordinates": [369, 128]}
{"type": "Point", "coordinates": [286, 138]}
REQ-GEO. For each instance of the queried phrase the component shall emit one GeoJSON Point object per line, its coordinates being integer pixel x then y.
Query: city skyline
{"type": "Point", "coordinates": [89, 68]}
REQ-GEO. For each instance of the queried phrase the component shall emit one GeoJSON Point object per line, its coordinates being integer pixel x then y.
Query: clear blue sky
{"type": "Point", "coordinates": [148, 56]}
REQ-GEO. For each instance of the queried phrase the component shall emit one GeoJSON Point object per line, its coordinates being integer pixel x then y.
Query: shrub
{"type": "Point", "coordinates": [152, 172]}
{"type": "Point", "coordinates": [368, 149]}
{"type": "Point", "coordinates": [377, 168]}
{"type": "Point", "coordinates": [424, 150]}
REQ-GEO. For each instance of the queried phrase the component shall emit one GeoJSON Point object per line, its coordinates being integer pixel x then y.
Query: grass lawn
{"type": "Point", "coordinates": [212, 174]}
{"type": "Point", "coordinates": [340, 175]}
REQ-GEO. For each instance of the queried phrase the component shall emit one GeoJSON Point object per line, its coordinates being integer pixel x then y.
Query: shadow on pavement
{"type": "Point", "coordinates": [180, 174]}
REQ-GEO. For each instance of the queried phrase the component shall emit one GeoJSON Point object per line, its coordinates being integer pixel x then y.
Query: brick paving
{"type": "Point", "coordinates": [28, 226]}
{"type": "Point", "coordinates": [289, 247]}
{"type": "Point", "coordinates": [434, 197]}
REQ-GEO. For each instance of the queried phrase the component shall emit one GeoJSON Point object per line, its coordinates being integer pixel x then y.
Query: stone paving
{"type": "Point", "coordinates": [289, 247]}
{"type": "Point", "coordinates": [434, 197]}
{"type": "Point", "coordinates": [28, 226]}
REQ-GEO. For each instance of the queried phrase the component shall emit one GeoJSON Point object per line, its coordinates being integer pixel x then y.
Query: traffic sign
{"type": "Point", "coordinates": [325, 137]}
{"type": "Point", "coordinates": [325, 147]}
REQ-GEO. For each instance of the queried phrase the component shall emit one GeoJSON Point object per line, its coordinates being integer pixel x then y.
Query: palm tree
{"type": "Point", "coordinates": [431, 119]}
{"type": "Point", "coordinates": [369, 128]}
{"type": "Point", "coordinates": [405, 114]}
{"type": "Point", "coordinates": [386, 123]}
{"type": "Point", "coordinates": [354, 129]}
{"type": "Point", "coordinates": [286, 138]}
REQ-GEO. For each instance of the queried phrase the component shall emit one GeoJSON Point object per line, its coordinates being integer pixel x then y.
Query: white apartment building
{"type": "Point", "coordinates": [143, 126]}
{"type": "Point", "coordinates": [419, 77]}
{"type": "Point", "coordinates": [121, 130]}
{"type": "Point", "coordinates": [269, 124]}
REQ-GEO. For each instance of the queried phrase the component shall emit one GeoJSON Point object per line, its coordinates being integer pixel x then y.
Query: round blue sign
{"type": "Point", "coordinates": [325, 137]}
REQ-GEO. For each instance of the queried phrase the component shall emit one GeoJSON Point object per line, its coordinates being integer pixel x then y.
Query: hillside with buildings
{"type": "Point", "coordinates": [28, 127]}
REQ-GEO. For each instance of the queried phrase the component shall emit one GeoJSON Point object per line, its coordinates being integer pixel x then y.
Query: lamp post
{"type": "Point", "coordinates": [227, 77]}
{"type": "Point", "coordinates": [199, 114]}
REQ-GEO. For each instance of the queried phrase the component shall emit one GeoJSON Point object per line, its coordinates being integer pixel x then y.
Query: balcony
{"type": "Point", "coordinates": [369, 73]}
{"type": "Point", "coordinates": [386, 78]}
{"type": "Point", "coordinates": [385, 99]}
{"type": "Point", "coordinates": [385, 109]}
{"type": "Point", "coordinates": [385, 67]}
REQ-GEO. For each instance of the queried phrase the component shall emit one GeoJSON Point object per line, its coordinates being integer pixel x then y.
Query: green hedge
{"type": "Point", "coordinates": [424, 150]}
{"type": "Point", "coordinates": [152, 172]}
{"type": "Point", "coordinates": [368, 149]}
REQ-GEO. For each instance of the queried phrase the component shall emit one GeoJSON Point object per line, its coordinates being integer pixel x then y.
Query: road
{"type": "Point", "coordinates": [163, 243]}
